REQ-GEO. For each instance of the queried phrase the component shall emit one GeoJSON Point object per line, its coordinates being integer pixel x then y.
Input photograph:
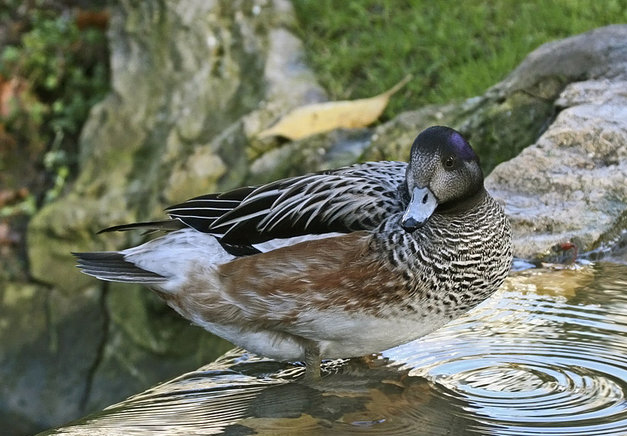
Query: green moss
{"type": "Point", "coordinates": [500, 131]}
{"type": "Point", "coordinates": [454, 50]}
{"type": "Point", "coordinates": [58, 72]}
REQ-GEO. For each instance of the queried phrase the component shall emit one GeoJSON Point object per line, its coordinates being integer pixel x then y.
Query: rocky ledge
{"type": "Point", "coordinates": [569, 186]}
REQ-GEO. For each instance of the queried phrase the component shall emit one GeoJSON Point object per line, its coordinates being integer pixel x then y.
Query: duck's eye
{"type": "Point", "coordinates": [449, 162]}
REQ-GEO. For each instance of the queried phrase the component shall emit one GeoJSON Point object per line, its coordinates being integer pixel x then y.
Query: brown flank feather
{"type": "Point", "coordinates": [270, 289]}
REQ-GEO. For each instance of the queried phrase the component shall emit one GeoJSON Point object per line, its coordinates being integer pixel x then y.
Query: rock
{"type": "Point", "coordinates": [393, 140]}
{"type": "Point", "coordinates": [47, 363]}
{"type": "Point", "coordinates": [598, 53]}
{"type": "Point", "coordinates": [570, 185]}
{"type": "Point", "coordinates": [193, 81]}
{"type": "Point", "coordinates": [179, 116]}
{"type": "Point", "coordinates": [320, 152]}
{"type": "Point", "coordinates": [571, 182]}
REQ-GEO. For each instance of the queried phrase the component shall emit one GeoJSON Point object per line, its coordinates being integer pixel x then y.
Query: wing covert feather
{"type": "Point", "coordinates": [348, 199]}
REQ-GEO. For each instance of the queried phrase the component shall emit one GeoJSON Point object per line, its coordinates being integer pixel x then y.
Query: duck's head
{"type": "Point", "coordinates": [443, 175]}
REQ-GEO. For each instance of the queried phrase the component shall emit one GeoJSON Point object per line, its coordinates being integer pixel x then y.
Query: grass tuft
{"type": "Point", "coordinates": [454, 49]}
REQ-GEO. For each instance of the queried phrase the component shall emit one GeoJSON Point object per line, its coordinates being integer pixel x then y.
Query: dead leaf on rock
{"type": "Point", "coordinates": [16, 95]}
{"type": "Point", "coordinates": [8, 196]}
{"type": "Point", "coordinates": [92, 18]}
{"type": "Point", "coordinates": [323, 117]}
{"type": "Point", "coordinates": [11, 93]}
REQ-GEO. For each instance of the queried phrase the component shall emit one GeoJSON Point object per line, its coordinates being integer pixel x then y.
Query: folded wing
{"type": "Point", "coordinates": [344, 200]}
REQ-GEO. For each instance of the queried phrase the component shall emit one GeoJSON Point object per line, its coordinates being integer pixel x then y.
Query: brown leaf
{"type": "Point", "coordinates": [8, 196]}
{"type": "Point", "coordinates": [97, 19]}
{"type": "Point", "coordinates": [323, 117]}
{"type": "Point", "coordinates": [11, 92]}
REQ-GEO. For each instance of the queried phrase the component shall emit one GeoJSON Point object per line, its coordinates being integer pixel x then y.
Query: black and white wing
{"type": "Point", "coordinates": [353, 198]}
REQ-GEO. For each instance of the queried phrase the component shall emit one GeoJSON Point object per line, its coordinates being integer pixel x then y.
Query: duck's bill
{"type": "Point", "coordinates": [420, 208]}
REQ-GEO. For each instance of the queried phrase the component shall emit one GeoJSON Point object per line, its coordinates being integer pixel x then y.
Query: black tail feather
{"type": "Point", "coordinates": [148, 226]}
{"type": "Point", "coordinates": [111, 266]}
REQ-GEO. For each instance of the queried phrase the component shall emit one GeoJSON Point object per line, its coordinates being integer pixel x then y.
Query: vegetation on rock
{"type": "Point", "coordinates": [53, 69]}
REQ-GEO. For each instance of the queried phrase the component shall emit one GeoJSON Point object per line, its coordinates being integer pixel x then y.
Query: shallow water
{"type": "Point", "coordinates": [546, 355]}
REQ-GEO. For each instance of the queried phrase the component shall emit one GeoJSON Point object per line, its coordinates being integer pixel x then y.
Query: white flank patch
{"type": "Point", "coordinates": [172, 255]}
{"type": "Point", "coordinates": [341, 334]}
{"type": "Point", "coordinates": [275, 345]}
{"type": "Point", "coordinates": [338, 334]}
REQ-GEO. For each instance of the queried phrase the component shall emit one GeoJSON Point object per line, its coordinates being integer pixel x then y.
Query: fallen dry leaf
{"type": "Point", "coordinates": [11, 92]}
{"type": "Point", "coordinates": [323, 117]}
{"type": "Point", "coordinates": [8, 196]}
{"type": "Point", "coordinates": [89, 18]}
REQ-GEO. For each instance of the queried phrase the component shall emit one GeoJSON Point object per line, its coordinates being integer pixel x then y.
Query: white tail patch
{"type": "Point", "coordinates": [173, 255]}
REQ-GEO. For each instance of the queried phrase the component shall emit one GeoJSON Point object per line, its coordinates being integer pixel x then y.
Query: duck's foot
{"type": "Point", "coordinates": [312, 362]}
{"type": "Point", "coordinates": [374, 360]}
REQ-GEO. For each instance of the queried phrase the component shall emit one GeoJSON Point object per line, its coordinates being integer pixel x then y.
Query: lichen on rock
{"type": "Point", "coordinates": [570, 184]}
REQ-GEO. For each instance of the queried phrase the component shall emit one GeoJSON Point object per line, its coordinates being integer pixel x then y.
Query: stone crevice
{"type": "Point", "coordinates": [100, 350]}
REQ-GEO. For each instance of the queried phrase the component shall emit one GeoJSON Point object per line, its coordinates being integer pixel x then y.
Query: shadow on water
{"type": "Point", "coordinates": [547, 355]}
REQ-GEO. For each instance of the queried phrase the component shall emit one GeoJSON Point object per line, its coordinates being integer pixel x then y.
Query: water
{"type": "Point", "coordinates": [547, 355]}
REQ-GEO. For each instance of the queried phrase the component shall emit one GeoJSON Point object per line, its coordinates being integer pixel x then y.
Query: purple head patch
{"type": "Point", "coordinates": [461, 146]}
{"type": "Point", "coordinates": [446, 140]}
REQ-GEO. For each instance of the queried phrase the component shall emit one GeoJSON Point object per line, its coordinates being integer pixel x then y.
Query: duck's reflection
{"type": "Point", "coordinates": [243, 395]}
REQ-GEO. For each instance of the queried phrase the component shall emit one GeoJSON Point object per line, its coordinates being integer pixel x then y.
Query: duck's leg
{"type": "Point", "coordinates": [312, 361]}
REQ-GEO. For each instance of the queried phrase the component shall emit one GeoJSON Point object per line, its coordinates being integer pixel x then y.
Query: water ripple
{"type": "Point", "coordinates": [547, 355]}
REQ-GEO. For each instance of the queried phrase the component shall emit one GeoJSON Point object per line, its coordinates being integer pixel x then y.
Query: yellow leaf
{"type": "Point", "coordinates": [323, 117]}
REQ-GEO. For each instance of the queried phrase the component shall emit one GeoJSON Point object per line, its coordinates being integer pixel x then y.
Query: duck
{"type": "Point", "coordinates": [334, 264]}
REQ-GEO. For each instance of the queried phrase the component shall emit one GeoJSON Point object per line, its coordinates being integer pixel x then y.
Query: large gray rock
{"type": "Point", "coordinates": [571, 184]}
{"type": "Point", "coordinates": [48, 356]}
